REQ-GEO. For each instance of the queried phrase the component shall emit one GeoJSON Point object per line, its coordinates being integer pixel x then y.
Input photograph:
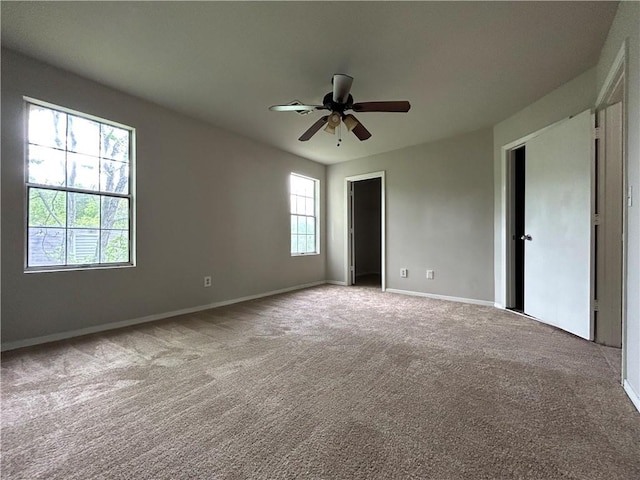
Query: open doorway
{"type": "Point", "coordinates": [367, 232]}
{"type": "Point", "coordinates": [365, 255]}
{"type": "Point", "coordinates": [518, 181]}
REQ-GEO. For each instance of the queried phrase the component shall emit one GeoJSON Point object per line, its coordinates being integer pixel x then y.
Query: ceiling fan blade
{"type": "Point", "coordinates": [313, 129]}
{"type": "Point", "coordinates": [356, 127]}
{"type": "Point", "coordinates": [296, 108]}
{"type": "Point", "coordinates": [341, 87]}
{"type": "Point", "coordinates": [398, 106]}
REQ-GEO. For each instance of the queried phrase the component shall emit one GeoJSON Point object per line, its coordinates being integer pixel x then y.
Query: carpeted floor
{"type": "Point", "coordinates": [328, 382]}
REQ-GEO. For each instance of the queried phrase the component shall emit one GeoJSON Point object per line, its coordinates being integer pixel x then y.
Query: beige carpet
{"type": "Point", "coordinates": [329, 382]}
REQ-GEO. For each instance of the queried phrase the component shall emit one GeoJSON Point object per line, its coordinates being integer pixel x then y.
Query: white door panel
{"type": "Point", "coordinates": [558, 219]}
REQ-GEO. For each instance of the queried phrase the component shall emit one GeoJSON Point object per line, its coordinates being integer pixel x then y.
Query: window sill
{"type": "Point", "coordinates": [77, 268]}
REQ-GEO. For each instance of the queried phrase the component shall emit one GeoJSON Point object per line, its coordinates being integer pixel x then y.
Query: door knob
{"type": "Point", "coordinates": [526, 237]}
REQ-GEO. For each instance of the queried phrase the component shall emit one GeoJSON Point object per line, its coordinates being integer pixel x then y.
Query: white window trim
{"type": "Point", "coordinates": [316, 194]}
{"type": "Point", "coordinates": [27, 185]}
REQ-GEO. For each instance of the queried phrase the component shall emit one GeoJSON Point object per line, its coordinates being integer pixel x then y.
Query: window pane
{"type": "Point", "coordinates": [300, 205]}
{"type": "Point", "coordinates": [82, 246]}
{"type": "Point", "coordinates": [114, 246]}
{"type": "Point", "coordinates": [309, 188]}
{"type": "Point", "coordinates": [83, 136]}
{"type": "Point", "coordinates": [82, 171]}
{"type": "Point", "coordinates": [84, 210]}
{"type": "Point", "coordinates": [296, 187]}
{"type": "Point", "coordinates": [311, 243]}
{"type": "Point", "coordinates": [294, 224]}
{"type": "Point", "coordinates": [302, 244]}
{"type": "Point", "coordinates": [311, 225]}
{"type": "Point", "coordinates": [47, 127]}
{"type": "Point", "coordinates": [114, 177]}
{"type": "Point", "coordinates": [302, 225]}
{"type": "Point", "coordinates": [309, 206]}
{"type": "Point", "coordinates": [115, 213]}
{"type": "Point", "coordinates": [46, 166]}
{"type": "Point", "coordinates": [47, 208]}
{"type": "Point", "coordinates": [294, 243]}
{"type": "Point", "coordinates": [46, 246]}
{"type": "Point", "coordinates": [114, 143]}
{"type": "Point", "coordinates": [65, 152]}
{"type": "Point", "coordinates": [293, 203]}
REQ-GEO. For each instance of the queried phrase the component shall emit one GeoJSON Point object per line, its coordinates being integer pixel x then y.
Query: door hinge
{"type": "Point", "coordinates": [596, 219]}
{"type": "Point", "coordinates": [596, 306]}
{"type": "Point", "coordinates": [597, 132]}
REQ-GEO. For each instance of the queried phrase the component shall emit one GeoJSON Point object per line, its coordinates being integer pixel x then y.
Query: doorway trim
{"type": "Point", "coordinates": [348, 248]}
{"type": "Point", "coordinates": [617, 76]}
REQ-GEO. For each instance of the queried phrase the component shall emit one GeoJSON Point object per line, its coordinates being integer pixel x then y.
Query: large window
{"type": "Point", "coordinates": [304, 215]}
{"type": "Point", "coordinates": [79, 175]}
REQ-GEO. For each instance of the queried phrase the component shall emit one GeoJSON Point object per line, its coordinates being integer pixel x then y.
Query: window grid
{"type": "Point", "coordinates": [303, 198]}
{"type": "Point", "coordinates": [102, 242]}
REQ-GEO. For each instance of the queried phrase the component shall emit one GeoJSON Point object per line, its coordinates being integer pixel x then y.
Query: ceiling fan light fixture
{"type": "Point", "coordinates": [350, 122]}
{"type": "Point", "coordinates": [332, 123]}
{"type": "Point", "coordinates": [330, 129]}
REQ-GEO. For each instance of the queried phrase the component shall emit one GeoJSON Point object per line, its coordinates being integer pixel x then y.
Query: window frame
{"type": "Point", "coordinates": [316, 215]}
{"type": "Point", "coordinates": [27, 101]}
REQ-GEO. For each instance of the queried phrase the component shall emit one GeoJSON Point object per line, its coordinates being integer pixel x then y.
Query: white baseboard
{"type": "Point", "coordinates": [473, 301]}
{"type": "Point", "coordinates": [499, 306]}
{"type": "Point", "coordinates": [149, 318]}
{"type": "Point", "coordinates": [633, 396]}
{"type": "Point", "coordinates": [336, 282]}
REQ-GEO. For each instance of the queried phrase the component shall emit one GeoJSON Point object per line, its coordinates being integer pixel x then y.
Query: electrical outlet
{"type": "Point", "coordinates": [404, 272]}
{"type": "Point", "coordinates": [429, 274]}
{"type": "Point", "coordinates": [207, 281]}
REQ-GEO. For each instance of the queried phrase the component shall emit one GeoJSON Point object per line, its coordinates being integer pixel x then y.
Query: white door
{"type": "Point", "coordinates": [558, 225]}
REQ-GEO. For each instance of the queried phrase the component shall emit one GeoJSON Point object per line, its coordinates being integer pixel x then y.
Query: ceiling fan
{"type": "Point", "coordinates": [337, 102]}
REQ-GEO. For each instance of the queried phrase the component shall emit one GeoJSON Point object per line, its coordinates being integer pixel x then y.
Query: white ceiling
{"type": "Point", "coordinates": [462, 65]}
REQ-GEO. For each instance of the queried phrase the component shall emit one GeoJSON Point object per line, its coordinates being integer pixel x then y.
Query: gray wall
{"type": "Point", "coordinates": [208, 203]}
{"type": "Point", "coordinates": [626, 25]}
{"type": "Point", "coordinates": [367, 210]}
{"type": "Point", "coordinates": [439, 207]}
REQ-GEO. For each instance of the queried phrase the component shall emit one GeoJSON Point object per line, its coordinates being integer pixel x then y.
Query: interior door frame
{"type": "Point", "coordinates": [618, 74]}
{"type": "Point", "coordinates": [348, 222]}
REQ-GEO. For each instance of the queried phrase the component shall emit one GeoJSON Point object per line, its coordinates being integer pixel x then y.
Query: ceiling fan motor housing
{"type": "Point", "coordinates": [328, 102]}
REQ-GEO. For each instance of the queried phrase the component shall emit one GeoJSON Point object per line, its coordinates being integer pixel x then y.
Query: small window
{"type": "Point", "coordinates": [304, 215]}
{"type": "Point", "coordinates": [79, 175]}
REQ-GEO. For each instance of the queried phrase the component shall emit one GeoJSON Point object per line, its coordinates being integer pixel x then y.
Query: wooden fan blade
{"type": "Point", "coordinates": [359, 130]}
{"type": "Point", "coordinates": [398, 106]}
{"type": "Point", "coordinates": [296, 108]}
{"type": "Point", "coordinates": [341, 87]}
{"type": "Point", "coordinates": [313, 129]}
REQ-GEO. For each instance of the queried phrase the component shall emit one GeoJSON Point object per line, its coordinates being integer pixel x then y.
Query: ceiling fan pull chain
{"type": "Point", "coordinates": [339, 133]}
